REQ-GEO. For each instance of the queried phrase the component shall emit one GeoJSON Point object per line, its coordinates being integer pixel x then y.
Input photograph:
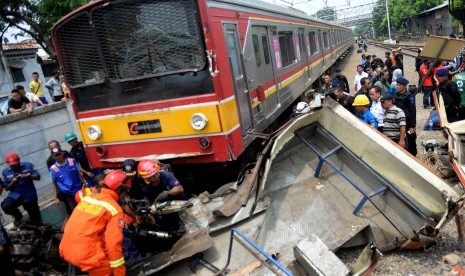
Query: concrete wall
{"type": "Point", "coordinates": [28, 135]}
{"type": "Point", "coordinates": [422, 22]}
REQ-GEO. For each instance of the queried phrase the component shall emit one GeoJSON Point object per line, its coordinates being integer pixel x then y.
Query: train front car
{"type": "Point", "coordinates": [187, 80]}
{"type": "Point", "coordinates": [141, 74]}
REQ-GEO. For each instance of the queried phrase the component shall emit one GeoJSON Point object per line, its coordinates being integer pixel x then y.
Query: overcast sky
{"type": "Point", "coordinates": [351, 7]}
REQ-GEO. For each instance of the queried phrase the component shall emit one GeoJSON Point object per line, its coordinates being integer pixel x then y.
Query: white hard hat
{"type": "Point", "coordinates": [302, 107]}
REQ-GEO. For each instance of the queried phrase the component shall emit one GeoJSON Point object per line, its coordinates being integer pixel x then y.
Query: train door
{"type": "Point", "coordinates": [303, 55]}
{"type": "Point", "coordinates": [237, 70]}
{"type": "Point", "coordinates": [264, 73]}
{"type": "Point", "coordinates": [323, 48]}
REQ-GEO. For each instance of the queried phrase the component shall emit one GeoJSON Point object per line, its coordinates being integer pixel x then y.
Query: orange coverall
{"type": "Point", "coordinates": [93, 235]}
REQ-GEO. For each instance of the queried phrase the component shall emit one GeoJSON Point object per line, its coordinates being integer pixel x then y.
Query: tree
{"type": "Point", "coordinates": [399, 12]}
{"type": "Point", "coordinates": [457, 9]}
{"type": "Point", "coordinates": [36, 17]}
{"type": "Point", "coordinates": [327, 13]}
{"type": "Point", "coordinates": [362, 30]}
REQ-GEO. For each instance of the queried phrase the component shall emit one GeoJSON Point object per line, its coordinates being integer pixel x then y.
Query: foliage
{"type": "Point", "coordinates": [36, 17]}
{"type": "Point", "coordinates": [327, 13]}
{"type": "Point", "coordinates": [399, 12]}
{"type": "Point", "coordinates": [362, 30]}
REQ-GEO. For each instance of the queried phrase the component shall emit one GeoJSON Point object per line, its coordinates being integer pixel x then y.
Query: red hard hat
{"type": "Point", "coordinates": [147, 168]}
{"type": "Point", "coordinates": [115, 179]}
{"type": "Point", "coordinates": [12, 159]}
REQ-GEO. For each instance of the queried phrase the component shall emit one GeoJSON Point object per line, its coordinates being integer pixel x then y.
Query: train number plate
{"type": "Point", "coordinates": [143, 127]}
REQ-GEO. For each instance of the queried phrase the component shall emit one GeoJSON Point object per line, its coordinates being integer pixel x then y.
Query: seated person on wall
{"type": "Point", "coordinates": [30, 96]}
{"type": "Point", "coordinates": [160, 185]}
{"type": "Point", "coordinates": [19, 103]}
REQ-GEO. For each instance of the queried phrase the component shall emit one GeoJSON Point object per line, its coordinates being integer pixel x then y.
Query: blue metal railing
{"type": "Point", "coordinates": [258, 252]}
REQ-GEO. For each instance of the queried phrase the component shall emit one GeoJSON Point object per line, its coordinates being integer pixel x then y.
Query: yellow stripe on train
{"type": "Point", "coordinates": [172, 123]}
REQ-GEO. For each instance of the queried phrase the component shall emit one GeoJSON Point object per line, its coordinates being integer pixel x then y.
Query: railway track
{"type": "Point", "coordinates": [408, 50]}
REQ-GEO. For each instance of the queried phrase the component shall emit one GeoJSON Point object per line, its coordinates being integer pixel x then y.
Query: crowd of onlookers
{"type": "Point", "coordinates": [22, 100]}
{"type": "Point", "coordinates": [383, 98]}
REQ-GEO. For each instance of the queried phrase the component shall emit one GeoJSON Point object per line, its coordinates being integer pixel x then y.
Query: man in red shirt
{"type": "Point", "coordinates": [427, 84]}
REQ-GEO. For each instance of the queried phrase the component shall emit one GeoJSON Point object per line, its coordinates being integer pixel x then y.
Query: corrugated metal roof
{"type": "Point", "coordinates": [25, 45]}
{"type": "Point", "coordinates": [445, 4]}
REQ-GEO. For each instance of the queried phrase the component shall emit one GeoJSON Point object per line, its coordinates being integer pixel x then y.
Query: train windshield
{"type": "Point", "coordinates": [130, 40]}
{"type": "Point", "coordinates": [131, 52]}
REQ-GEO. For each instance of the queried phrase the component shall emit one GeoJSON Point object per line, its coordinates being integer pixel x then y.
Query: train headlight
{"type": "Point", "coordinates": [199, 121]}
{"type": "Point", "coordinates": [94, 132]}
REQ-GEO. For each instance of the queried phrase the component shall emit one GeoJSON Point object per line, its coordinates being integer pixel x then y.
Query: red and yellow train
{"type": "Point", "coordinates": [187, 80]}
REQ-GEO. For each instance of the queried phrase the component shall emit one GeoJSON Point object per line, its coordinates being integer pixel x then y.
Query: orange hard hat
{"type": "Point", "coordinates": [147, 168]}
{"type": "Point", "coordinates": [12, 159]}
{"type": "Point", "coordinates": [115, 179]}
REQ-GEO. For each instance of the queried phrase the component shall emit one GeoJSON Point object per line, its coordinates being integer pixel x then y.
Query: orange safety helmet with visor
{"type": "Point", "coordinates": [147, 168]}
{"type": "Point", "coordinates": [116, 179]}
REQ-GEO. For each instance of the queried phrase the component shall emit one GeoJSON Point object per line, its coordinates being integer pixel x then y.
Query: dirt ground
{"type": "Point", "coordinates": [410, 262]}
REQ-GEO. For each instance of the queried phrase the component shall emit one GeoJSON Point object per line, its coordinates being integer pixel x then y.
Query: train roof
{"type": "Point", "coordinates": [251, 4]}
{"type": "Point", "coordinates": [276, 9]}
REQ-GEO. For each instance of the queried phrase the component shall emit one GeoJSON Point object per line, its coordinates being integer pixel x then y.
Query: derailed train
{"type": "Point", "coordinates": [187, 80]}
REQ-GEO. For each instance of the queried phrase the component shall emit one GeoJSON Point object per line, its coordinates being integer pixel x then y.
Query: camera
{"type": "Point", "coordinates": [412, 89]}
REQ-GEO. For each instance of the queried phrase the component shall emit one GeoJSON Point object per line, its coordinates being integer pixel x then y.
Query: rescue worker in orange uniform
{"type": "Point", "coordinates": [93, 235]}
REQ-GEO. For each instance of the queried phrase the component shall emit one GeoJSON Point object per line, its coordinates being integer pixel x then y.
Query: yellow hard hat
{"type": "Point", "coordinates": [361, 100]}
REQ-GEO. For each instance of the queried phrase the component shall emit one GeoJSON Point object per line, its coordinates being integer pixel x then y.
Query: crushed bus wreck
{"type": "Point", "coordinates": [325, 179]}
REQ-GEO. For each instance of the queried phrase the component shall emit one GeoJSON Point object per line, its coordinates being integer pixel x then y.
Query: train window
{"type": "Point", "coordinates": [287, 48]}
{"type": "Point", "coordinates": [231, 37]}
{"type": "Point", "coordinates": [266, 50]}
{"type": "Point", "coordinates": [313, 43]}
{"type": "Point", "coordinates": [302, 43]}
{"type": "Point", "coordinates": [256, 49]}
{"type": "Point", "coordinates": [325, 40]}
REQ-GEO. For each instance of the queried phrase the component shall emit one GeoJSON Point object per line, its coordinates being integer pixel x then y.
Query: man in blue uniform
{"type": "Point", "coordinates": [77, 152]}
{"type": "Point", "coordinates": [161, 186]}
{"type": "Point", "coordinates": [67, 179]}
{"type": "Point", "coordinates": [406, 101]}
{"type": "Point", "coordinates": [18, 180]}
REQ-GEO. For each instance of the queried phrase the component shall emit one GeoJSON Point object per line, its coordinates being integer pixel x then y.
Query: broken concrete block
{"type": "Point", "coordinates": [452, 259]}
{"type": "Point", "coordinates": [316, 259]}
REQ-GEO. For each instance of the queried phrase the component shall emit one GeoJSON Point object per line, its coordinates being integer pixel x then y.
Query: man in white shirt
{"type": "Point", "coordinates": [376, 109]}
{"type": "Point", "coordinates": [54, 87]}
{"type": "Point", "coordinates": [359, 76]}
{"type": "Point", "coordinates": [30, 96]}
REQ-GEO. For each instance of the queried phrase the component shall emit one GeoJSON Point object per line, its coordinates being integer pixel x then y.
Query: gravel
{"type": "Point", "coordinates": [419, 262]}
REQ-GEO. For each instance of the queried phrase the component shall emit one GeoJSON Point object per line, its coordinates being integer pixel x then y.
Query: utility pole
{"type": "Point", "coordinates": [389, 25]}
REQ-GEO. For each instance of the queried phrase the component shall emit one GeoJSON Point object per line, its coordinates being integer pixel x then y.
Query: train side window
{"type": "Point", "coordinates": [256, 49]}
{"type": "Point", "coordinates": [325, 40]}
{"type": "Point", "coordinates": [233, 53]}
{"type": "Point", "coordinates": [287, 48]}
{"type": "Point", "coordinates": [313, 43]}
{"type": "Point", "coordinates": [266, 50]}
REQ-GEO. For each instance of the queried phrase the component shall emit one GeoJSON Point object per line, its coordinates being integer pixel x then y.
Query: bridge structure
{"type": "Point", "coordinates": [349, 13]}
{"type": "Point", "coordinates": [354, 20]}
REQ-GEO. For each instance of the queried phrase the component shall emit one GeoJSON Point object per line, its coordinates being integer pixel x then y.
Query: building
{"type": "Point", "coordinates": [21, 58]}
{"type": "Point", "coordinates": [437, 20]}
